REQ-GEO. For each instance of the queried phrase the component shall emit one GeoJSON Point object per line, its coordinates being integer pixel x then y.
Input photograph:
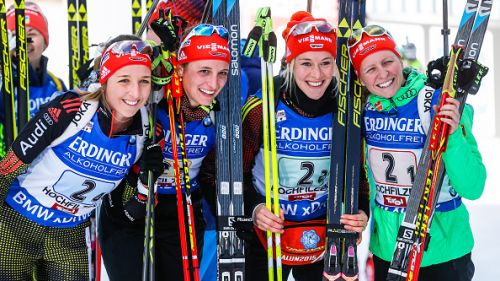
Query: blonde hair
{"type": "Point", "coordinates": [97, 95]}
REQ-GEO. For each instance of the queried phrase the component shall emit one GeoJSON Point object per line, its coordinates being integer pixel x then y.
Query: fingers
{"type": "Point", "coordinates": [355, 222]}
{"type": "Point", "coordinates": [449, 113]}
{"type": "Point", "coordinates": [266, 220]}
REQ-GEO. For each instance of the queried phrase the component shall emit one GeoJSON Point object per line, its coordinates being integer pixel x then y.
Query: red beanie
{"type": "Point", "coordinates": [369, 45]}
{"type": "Point", "coordinates": [196, 47]}
{"type": "Point", "coordinates": [121, 54]}
{"type": "Point", "coordinates": [312, 41]}
{"type": "Point", "coordinates": [34, 18]}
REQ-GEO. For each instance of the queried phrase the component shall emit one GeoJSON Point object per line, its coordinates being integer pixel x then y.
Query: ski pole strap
{"type": "Point", "coordinates": [263, 35]}
{"type": "Point", "coordinates": [256, 32]}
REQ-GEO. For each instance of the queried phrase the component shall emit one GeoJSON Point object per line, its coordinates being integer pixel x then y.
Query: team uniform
{"type": "Point", "coordinates": [395, 136]}
{"type": "Point", "coordinates": [303, 150]}
{"type": "Point", "coordinates": [122, 235]}
{"type": "Point", "coordinates": [50, 186]}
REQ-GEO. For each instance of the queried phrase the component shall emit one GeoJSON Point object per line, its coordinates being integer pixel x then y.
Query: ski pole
{"type": "Point", "coordinates": [8, 81]}
{"type": "Point", "coordinates": [263, 35]}
{"type": "Point", "coordinates": [309, 5]}
{"type": "Point", "coordinates": [146, 19]}
{"type": "Point", "coordinates": [23, 94]}
{"type": "Point", "coordinates": [445, 31]}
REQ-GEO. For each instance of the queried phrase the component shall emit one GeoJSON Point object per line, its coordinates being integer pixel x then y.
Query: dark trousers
{"type": "Point", "coordinates": [460, 269]}
{"type": "Point", "coordinates": [31, 251]}
{"type": "Point", "coordinates": [256, 266]}
{"type": "Point", "coordinates": [123, 246]}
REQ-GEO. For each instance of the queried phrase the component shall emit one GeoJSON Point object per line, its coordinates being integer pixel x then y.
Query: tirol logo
{"type": "Point", "coordinates": [394, 201]}
{"type": "Point", "coordinates": [309, 239]}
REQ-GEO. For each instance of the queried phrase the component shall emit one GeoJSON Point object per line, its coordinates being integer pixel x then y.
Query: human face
{"type": "Point", "coordinates": [202, 80]}
{"type": "Point", "coordinates": [313, 72]}
{"type": "Point", "coordinates": [127, 90]}
{"type": "Point", "coordinates": [36, 47]}
{"type": "Point", "coordinates": [382, 73]}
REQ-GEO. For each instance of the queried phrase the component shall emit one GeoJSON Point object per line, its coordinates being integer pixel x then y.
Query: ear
{"type": "Point", "coordinates": [180, 70]}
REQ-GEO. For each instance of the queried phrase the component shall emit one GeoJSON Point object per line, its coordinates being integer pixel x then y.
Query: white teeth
{"type": "Point", "coordinates": [386, 84]}
{"type": "Point", "coordinates": [315, 84]}
{"type": "Point", "coordinates": [132, 103]}
{"type": "Point", "coordinates": [207, 91]}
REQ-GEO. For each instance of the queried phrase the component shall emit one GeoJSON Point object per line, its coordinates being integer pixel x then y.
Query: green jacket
{"type": "Point", "coordinates": [451, 234]}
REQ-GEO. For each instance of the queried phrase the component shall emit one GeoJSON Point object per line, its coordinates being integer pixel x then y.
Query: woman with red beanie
{"type": "Point", "coordinates": [401, 97]}
{"type": "Point", "coordinates": [203, 65]}
{"type": "Point", "coordinates": [76, 149]}
{"type": "Point", "coordinates": [306, 97]}
{"type": "Point", "coordinates": [43, 85]}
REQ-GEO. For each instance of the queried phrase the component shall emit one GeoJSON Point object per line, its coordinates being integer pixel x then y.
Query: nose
{"type": "Point", "coordinates": [315, 72]}
{"type": "Point", "coordinates": [133, 90]}
{"type": "Point", "coordinates": [212, 82]}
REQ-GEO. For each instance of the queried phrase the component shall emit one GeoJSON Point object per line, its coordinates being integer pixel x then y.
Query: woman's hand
{"type": "Point", "coordinates": [357, 223]}
{"type": "Point", "coordinates": [449, 113]}
{"type": "Point", "coordinates": [265, 220]}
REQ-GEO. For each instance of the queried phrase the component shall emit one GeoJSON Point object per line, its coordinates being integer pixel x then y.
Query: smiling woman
{"type": "Point", "coordinates": [76, 149]}
{"type": "Point", "coordinates": [306, 101]}
{"type": "Point", "coordinates": [203, 63]}
{"type": "Point", "coordinates": [395, 134]}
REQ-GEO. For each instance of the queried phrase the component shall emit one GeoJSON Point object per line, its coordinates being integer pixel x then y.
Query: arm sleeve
{"type": "Point", "coordinates": [463, 161]}
{"type": "Point", "coordinates": [41, 130]}
{"type": "Point", "coordinates": [48, 124]}
{"type": "Point", "coordinates": [252, 136]}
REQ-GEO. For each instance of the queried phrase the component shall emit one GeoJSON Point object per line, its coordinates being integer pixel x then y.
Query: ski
{"type": "Point", "coordinates": [136, 15]}
{"type": "Point", "coordinates": [73, 43]}
{"type": "Point", "coordinates": [83, 32]}
{"type": "Point", "coordinates": [413, 238]}
{"type": "Point", "coordinates": [10, 125]}
{"type": "Point", "coordinates": [340, 260]}
{"type": "Point", "coordinates": [230, 250]}
{"type": "Point", "coordinates": [22, 65]}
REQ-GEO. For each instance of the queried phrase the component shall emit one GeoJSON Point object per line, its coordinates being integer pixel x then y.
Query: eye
{"type": "Point", "coordinates": [223, 73]}
{"type": "Point", "coordinates": [306, 63]}
{"type": "Point", "coordinates": [370, 70]}
{"type": "Point", "coordinates": [388, 62]}
{"type": "Point", "coordinates": [124, 80]}
{"type": "Point", "coordinates": [145, 81]}
{"type": "Point", "coordinates": [204, 71]}
{"type": "Point", "coordinates": [326, 63]}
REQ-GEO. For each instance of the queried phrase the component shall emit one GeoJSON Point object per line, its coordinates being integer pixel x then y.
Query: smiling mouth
{"type": "Point", "coordinates": [208, 92]}
{"type": "Point", "coordinates": [386, 84]}
{"type": "Point", "coordinates": [131, 103]}
{"type": "Point", "coordinates": [314, 84]}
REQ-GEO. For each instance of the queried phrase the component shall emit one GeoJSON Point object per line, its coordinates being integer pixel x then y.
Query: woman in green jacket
{"type": "Point", "coordinates": [395, 126]}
